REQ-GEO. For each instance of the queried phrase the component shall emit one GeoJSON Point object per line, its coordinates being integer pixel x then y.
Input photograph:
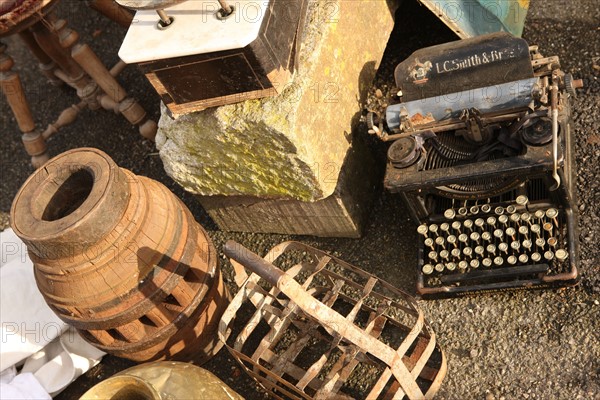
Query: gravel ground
{"type": "Point", "coordinates": [537, 344]}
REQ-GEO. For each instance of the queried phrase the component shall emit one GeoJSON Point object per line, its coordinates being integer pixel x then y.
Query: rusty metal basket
{"type": "Point", "coordinates": [326, 329]}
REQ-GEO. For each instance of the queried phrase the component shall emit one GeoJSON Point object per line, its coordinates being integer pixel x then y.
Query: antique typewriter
{"type": "Point", "coordinates": [482, 153]}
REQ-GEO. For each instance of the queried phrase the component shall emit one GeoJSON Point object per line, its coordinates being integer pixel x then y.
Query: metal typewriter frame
{"type": "Point", "coordinates": [420, 189]}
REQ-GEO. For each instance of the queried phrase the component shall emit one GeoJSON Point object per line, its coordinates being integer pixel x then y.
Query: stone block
{"type": "Point", "coordinates": [292, 146]}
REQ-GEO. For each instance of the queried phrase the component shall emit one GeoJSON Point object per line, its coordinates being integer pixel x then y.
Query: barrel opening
{"type": "Point", "coordinates": [69, 196]}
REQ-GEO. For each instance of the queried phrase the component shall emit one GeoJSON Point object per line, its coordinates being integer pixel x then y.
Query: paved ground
{"type": "Point", "coordinates": [538, 345]}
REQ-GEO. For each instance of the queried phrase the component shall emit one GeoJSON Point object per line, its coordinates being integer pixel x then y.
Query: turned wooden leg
{"type": "Point", "coordinates": [91, 64]}
{"type": "Point", "coordinates": [87, 90]}
{"type": "Point", "coordinates": [47, 65]}
{"type": "Point", "coordinates": [113, 11]}
{"type": "Point", "coordinates": [34, 143]}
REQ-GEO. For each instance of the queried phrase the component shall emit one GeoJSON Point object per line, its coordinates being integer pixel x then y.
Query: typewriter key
{"type": "Point", "coordinates": [486, 262]}
{"type": "Point", "coordinates": [439, 267]}
{"type": "Point", "coordinates": [486, 208]}
{"type": "Point", "coordinates": [522, 200]}
{"type": "Point", "coordinates": [445, 227]}
{"type": "Point", "coordinates": [561, 254]}
{"type": "Point", "coordinates": [474, 263]}
{"type": "Point", "coordinates": [515, 245]}
{"type": "Point", "coordinates": [503, 219]}
{"type": "Point", "coordinates": [433, 228]}
{"type": "Point", "coordinates": [491, 221]}
{"type": "Point", "coordinates": [486, 236]}
{"type": "Point", "coordinates": [445, 254]}
{"type": "Point", "coordinates": [450, 213]}
{"type": "Point", "coordinates": [548, 255]}
{"type": "Point", "coordinates": [512, 260]}
{"type": "Point", "coordinates": [511, 209]}
{"type": "Point", "coordinates": [422, 229]}
{"type": "Point", "coordinates": [433, 255]}
{"type": "Point", "coordinates": [463, 211]}
{"type": "Point", "coordinates": [499, 210]}
{"type": "Point", "coordinates": [450, 266]}
{"type": "Point", "coordinates": [429, 243]}
{"type": "Point", "coordinates": [467, 251]}
{"type": "Point", "coordinates": [479, 250]}
{"type": "Point", "coordinates": [552, 242]}
{"type": "Point", "coordinates": [463, 238]}
{"type": "Point", "coordinates": [498, 261]}
{"type": "Point", "coordinates": [540, 242]}
{"type": "Point", "coordinates": [535, 257]}
{"type": "Point", "coordinates": [440, 242]}
{"type": "Point", "coordinates": [475, 236]}
{"type": "Point", "coordinates": [474, 210]}
{"type": "Point", "coordinates": [491, 249]}
{"type": "Point", "coordinates": [498, 233]}
{"type": "Point", "coordinates": [427, 269]}
{"type": "Point", "coordinates": [503, 247]}
{"type": "Point", "coordinates": [527, 244]}
{"type": "Point", "coordinates": [479, 222]}
{"type": "Point", "coordinates": [523, 258]}
{"type": "Point", "coordinates": [456, 226]}
{"type": "Point", "coordinates": [539, 214]}
{"type": "Point", "coordinates": [463, 264]}
{"type": "Point", "coordinates": [455, 252]}
{"type": "Point", "coordinates": [451, 239]}
{"type": "Point", "coordinates": [468, 224]}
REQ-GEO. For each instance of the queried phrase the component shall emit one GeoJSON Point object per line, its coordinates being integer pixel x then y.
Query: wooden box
{"type": "Point", "coordinates": [200, 61]}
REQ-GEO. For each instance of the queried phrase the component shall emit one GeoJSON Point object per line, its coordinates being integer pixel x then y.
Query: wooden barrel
{"type": "Point", "coordinates": [121, 258]}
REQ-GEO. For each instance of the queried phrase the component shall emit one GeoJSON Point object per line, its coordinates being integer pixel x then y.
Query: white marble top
{"type": "Point", "coordinates": [195, 30]}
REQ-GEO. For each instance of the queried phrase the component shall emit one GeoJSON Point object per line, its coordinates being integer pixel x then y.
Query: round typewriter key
{"type": "Point", "coordinates": [463, 238]}
{"type": "Point", "coordinates": [491, 221]}
{"type": "Point", "coordinates": [515, 218]}
{"type": "Point", "coordinates": [451, 239]}
{"type": "Point", "coordinates": [540, 242]}
{"type": "Point", "coordinates": [535, 228]}
{"type": "Point", "coordinates": [440, 242]}
{"type": "Point", "coordinates": [551, 213]}
{"type": "Point", "coordinates": [527, 244]}
{"type": "Point", "coordinates": [456, 226]}
{"type": "Point", "coordinates": [422, 229]}
{"type": "Point", "coordinates": [445, 254]}
{"type": "Point", "coordinates": [511, 232]}
{"type": "Point", "coordinates": [525, 217]}
{"type": "Point", "coordinates": [491, 249]}
{"type": "Point", "coordinates": [539, 214]}
{"type": "Point", "coordinates": [455, 252]}
{"type": "Point", "coordinates": [498, 233]}
{"type": "Point", "coordinates": [503, 247]}
{"type": "Point", "coordinates": [561, 254]}
{"type": "Point", "coordinates": [547, 227]}
{"type": "Point", "coordinates": [498, 261]}
{"type": "Point", "coordinates": [548, 255]}
{"type": "Point", "coordinates": [475, 236]}
{"type": "Point", "coordinates": [429, 243]}
{"type": "Point", "coordinates": [515, 245]}
{"type": "Point", "coordinates": [433, 228]}
{"type": "Point", "coordinates": [450, 266]}
{"type": "Point", "coordinates": [479, 250]}
{"type": "Point", "coordinates": [463, 264]}
{"type": "Point", "coordinates": [522, 200]}
{"type": "Point", "coordinates": [427, 269]}
{"type": "Point", "coordinates": [439, 267]}
{"type": "Point", "coordinates": [486, 208]}
{"type": "Point", "coordinates": [474, 263]}
{"type": "Point", "coordinates": [479, 222]}
{"type": "Point", "coordinates": [463, 211]}
{"type": "Point", "coordinates": [512, 260]}
{"type": "Point", "coordinates": [433, 255]}
{"type": "Point", "coordinates": [503, 219]}
{"type": "Point", "coordinates": [523, 230]}
{"type": "Point", "coordinates": [467, 251]}
{"type": "Point", "coordinates": [486, 262]}
{"type": "Point", "coordinates": [511, 209]}
{"type": "Point", "coordinates": [450, 213]}
{"type": "Point", "coordinates": [486, 236]}
{"type": "Point", "coordinates": [552, 242]}
{"type": "Point", "coordinates": [468, 224]}
{"type": "Point", "coordinates": [445, 227]}
{"type": "Point", "coordinates": [499, 210]}
{"type": "Point", "coordinates": [535, 257]}
{"type": "Point", "coordinates": [474, 210]}
{"type": "Point", "coordinates": [523, 258]}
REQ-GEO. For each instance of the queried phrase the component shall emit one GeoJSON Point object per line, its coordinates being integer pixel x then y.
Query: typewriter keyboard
{"type": "Point", "coordinates": [488, 238]}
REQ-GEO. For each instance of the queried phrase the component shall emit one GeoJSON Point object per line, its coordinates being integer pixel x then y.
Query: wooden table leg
{"type": "Point", "coordinates": [91, 64]}
{"type": "Point", "coordinates": [87, 90]}
{"type": "Point", "coordinates": [112, 10]}
{"type": "Point", "coordinates": [47, 65]}
{"type": "Point", "coordinates": [34, 143]}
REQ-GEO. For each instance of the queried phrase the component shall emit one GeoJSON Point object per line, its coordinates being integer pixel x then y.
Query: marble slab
{"type": "Point", "coordinates": [195, 30]}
